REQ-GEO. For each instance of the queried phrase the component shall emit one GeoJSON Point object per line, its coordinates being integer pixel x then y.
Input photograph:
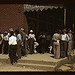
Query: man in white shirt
{"type": "Point", "coordinates": [13, 48]}
{"type": "Point", "coordinates": [64, 39]}
{"type": "Point", "coordinates": [31, 41]}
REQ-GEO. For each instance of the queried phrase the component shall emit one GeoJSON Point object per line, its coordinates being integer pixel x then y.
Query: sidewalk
{"type": "Point", "coordinates": [34, 62]}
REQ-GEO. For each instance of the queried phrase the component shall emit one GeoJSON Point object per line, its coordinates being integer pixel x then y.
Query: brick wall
{"type": "Point", "coordinates": [12, 15]}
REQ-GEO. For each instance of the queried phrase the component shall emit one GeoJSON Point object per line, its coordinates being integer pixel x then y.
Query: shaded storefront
{"type": "Point", "coordinates": [44, 18]}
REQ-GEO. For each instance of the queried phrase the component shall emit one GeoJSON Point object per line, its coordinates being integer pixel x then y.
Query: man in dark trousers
{"type": "Point", "coordinates": [64, 43]}
{"type": "Point", "coordinates": [32, 39]}
{"type": "Point", "coordinates": [23, 43]}
{"type": "Point", "coordinates": [42, 42]}
{"type": "Point", "coordinates": [12, 48]}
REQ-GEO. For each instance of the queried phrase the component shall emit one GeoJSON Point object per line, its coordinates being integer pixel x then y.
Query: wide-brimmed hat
{"type": "Point", "coordinates": [11, 29]}
{"type": "Point", "coordinates": [64, 30]}
{"type": "Point", "coordinates": [31, 31]}
{"type": "Point", "coordinates": [22, 29]}
{"type": "Point", "coordinates": [5, 32]}
{"type": "Point", "coordinates": [70, 31]}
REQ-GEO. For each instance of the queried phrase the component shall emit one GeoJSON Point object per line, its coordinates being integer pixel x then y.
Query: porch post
{"type": "Point", "coordinates": [37, 21]}
{"type": "Point", "coordinates": [73, 24]}
{"type": "Point", "coordinates": [65, 18]}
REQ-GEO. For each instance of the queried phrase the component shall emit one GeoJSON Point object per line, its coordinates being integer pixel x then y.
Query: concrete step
{"type": "Point", "coordinates": [38, 62]}
{"type": "Point", "coordinates": [2, 60]}
{"type": "Point", "coordinates": [37, 66]}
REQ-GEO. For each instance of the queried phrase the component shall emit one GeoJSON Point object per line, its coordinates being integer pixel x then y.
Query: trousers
{"type": "Point", "coordinates": [12, 53]}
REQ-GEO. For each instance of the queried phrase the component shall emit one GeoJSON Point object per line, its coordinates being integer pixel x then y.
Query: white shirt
{"type": "Point", "coordinates": [6, 38]}
{"type": "Point", "coordinates": [65, 37]}
{"type": "Point", "coordinates": [32, 36]}
{"type": "Point", "coordinates": [12, 40]}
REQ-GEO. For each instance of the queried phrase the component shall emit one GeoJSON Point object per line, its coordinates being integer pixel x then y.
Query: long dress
{"type": "Point", "coordinates": [70, 44]}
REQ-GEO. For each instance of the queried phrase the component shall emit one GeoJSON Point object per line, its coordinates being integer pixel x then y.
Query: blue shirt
{"type": "Point", "coordinates": [19, 37]}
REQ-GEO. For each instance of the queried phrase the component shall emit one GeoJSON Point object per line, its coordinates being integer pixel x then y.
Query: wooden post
{"type": "Point", "coordinates": [65, 18]}
{"type": "Point", "coordinates": [73, 24]}
{"type": "Point", "coordinates": [37, 22]}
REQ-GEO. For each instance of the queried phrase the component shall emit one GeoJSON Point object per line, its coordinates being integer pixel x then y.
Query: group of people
{"type": "Point", "coordinates": [17, 43]}
{"type": "Point", "coordinates": [63, 44]}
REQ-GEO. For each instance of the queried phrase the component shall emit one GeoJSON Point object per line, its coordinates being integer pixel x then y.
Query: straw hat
{"type": "Point", "coordinates": [64, 30]}
{"type": "Point", "coordinates": [22, 29]}
{"type": "Point", "coordinates": [5, 32]}
{"type": "Point", "coordinates": [11, 29]}
{"type": "Point", "coordinates": [70, 31]}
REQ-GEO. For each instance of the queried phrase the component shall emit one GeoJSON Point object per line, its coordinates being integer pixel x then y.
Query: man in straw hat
{"type": "Point", "coordinates": [12, 48]}
{"type": "Point", "coordinates": [24, 42]}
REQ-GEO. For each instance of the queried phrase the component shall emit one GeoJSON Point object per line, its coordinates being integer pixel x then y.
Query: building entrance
{"type": "Point", "coordinates": [45, 21]}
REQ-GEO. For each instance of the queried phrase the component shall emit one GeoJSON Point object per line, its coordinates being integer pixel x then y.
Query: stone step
{"type": "Point", "coordinates": [37, 66]}
{"type": "Point", "coordinates": [38, 62]}
{"type": "Point", "coordinates": [2, 60]}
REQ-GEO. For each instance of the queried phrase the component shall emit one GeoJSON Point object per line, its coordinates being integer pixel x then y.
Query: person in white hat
{"type": "Point", "coordinates": [32, 39]}
{"type": "Point", "coordinates": [10, 30]}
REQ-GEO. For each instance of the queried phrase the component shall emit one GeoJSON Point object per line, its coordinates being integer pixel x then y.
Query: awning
{"type": "Point", "coordinates": [28, 7]}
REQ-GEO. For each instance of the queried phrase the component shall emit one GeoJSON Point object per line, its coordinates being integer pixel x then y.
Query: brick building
{"type": "Point", "coordinates": [36, 17]}
{"type": "Point", "coordinates": [12, 15]}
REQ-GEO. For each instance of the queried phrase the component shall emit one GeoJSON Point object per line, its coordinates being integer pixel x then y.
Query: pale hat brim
{"type": "Point", "coordinates": [22, 29]}
{"type": "Point", "coordinates": [11, 29]}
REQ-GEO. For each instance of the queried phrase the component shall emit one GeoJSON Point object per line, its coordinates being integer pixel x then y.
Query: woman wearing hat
{"type": "Point", "coordinates": [32, 39]}
{"type": "Point", "coordinates": [5, 42]}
